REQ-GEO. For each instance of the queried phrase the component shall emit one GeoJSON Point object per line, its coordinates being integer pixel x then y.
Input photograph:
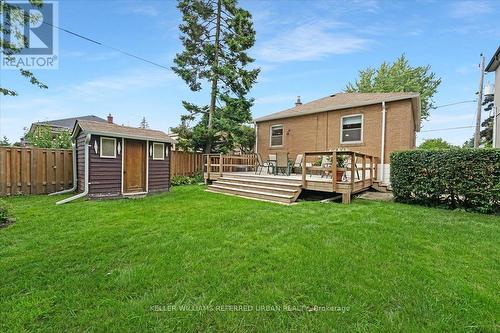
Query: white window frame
{"type": "Point", "coordinates": [342, 129]}
{"type": "Point", "coordinates": [162, 151]}
{"type": "Point", "coordinates": [271, 135]}
{"type": "Point", "coordinates": [114, 147]}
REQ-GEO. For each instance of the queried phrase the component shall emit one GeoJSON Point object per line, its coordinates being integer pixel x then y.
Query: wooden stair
{"type": "Point", "coordinates": [378, 186]}
{"type": "Point", "coordinates": [260, 188]}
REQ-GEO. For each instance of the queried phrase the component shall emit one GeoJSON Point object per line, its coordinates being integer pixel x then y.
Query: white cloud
{"type": "Point", "coordinates": [97, 96]}
{"type": "Point", "coordinates": [146, 10]}
{"type": "Point", "coordinates": [310, 41]}
{"type": "Point", "coordinates": [469, 9]}
{"type": "Point", "coordinates": [103, 86]}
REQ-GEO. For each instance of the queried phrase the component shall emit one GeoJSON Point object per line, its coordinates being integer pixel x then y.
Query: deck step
{"type": "Point", "coordinates": [255, 187]}
{"type": "Point", "coordinates": [262, 195]}
{"type": "Point", "coordinates": [380, 187]}
{"type": "Point", "coordinates": [263, 182]}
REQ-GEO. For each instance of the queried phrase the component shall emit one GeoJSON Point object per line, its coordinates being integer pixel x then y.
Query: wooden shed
{"type": "Point", "coordinates": [117, 161]}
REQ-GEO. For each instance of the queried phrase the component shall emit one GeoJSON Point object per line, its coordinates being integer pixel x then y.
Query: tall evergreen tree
{"type": "Point", "coordinates": [216, 35]}
{"type": "Point", "coordinates": [144, 123]}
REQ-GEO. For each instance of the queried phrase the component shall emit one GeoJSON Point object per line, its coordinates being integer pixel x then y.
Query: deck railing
{"type": "Point", "coordinates": [220, 163]}
{"type": "Point", "coordinates": [352, 164]}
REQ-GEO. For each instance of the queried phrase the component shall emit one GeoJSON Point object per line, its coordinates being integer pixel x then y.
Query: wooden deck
{"type": "Point", "coordinates": [227, 170]}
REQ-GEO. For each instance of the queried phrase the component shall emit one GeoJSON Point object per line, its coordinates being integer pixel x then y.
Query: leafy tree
{"type": "Point", "coordinates": [4, 141]}
{"type": "Point", "coordinates": [42, 137]}
{"type": "Point", "coordinates": [216, 35]}
{"type": "Point", "coordinates": [438, 143]}
{"type": "Point", "coordinates": [9, 49]}
{"type": "Point", "coordinates": [399, 76]}
{"type": "Point", "coordinates": [144, 123]}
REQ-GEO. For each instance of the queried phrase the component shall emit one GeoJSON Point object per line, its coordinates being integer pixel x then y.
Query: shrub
{"type": "Point", "coordinates": [4, 212]}
{"type": "Point", "coordinates": [187, 180]}
{"type": "Point", "coordinates": [456, 178]}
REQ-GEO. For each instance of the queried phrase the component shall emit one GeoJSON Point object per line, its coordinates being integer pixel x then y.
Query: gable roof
{"type": "Point", "coordinates": [100, 128]}
{"type": "Point", "coordinates": [347, 100]}
{"type": "Point", "coordinates": [494, 62]}
{"type": "Point", "coordinates": [68, 123]}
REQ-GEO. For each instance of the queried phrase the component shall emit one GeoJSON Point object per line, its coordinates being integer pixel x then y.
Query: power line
{"type": "Point", "coordinates": [444, 105]}
{"type": "Point", "coordinates": [447, 129]}
{"type": "Point", "coordinates": [106, 46]}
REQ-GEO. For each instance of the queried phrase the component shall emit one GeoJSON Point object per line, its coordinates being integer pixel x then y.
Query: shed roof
{"type": "Point", "coordinates": [347, 100]}
{"type": "Point", "coordinates": [494, 62]}
{"type": "Point", "coordinates": [99, 128]}
{"type": "Point", "coordinates": [65, 123]}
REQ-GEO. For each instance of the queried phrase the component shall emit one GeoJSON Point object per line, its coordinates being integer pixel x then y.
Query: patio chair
{"type": "Point", "coordinates": [262, 165]}
{"type": "Point", "coordinates": [297, 165]}
{"type": "Point", "coordinates": [324, 168]}
{"type": "Point", "coordinates": [347, 164]}
{"type": "Point", "coordinates": [283, 165]}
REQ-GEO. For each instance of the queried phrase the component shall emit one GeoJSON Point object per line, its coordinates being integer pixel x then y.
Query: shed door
{"type": "Point", "coordinates": [134, 169]}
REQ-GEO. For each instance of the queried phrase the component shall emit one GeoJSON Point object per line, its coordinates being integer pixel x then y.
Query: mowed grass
{"type": "Point", "coordinates": [131, 265]}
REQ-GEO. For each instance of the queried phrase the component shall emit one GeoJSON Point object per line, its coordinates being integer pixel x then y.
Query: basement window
{"type": "Point", "coordinates": [276, 135]}
{"type": "Point", "coordinates": [352, 129]}
{"type": "Point", "coordinates": [108, 147]}
{"type": "Point", "coordinates": [158, 151]}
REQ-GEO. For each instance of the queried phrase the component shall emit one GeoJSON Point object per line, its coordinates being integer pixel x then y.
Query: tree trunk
{"type": "Point", "coordinates": [213, 96]}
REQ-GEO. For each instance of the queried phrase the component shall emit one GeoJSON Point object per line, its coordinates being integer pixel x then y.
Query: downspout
{"type": "Point", "coordinates": [86, 168]}
{"type": "Point", "coordinates": [73, 188]}
{"type": "Point", "coordinates": [495, 126]}
{"type": "Point", "coordinates": [256, 139]}
{"type": "Point", "coordinates": [382, 145]}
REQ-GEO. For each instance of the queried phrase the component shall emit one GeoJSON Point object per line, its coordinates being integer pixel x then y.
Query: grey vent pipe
{"type": "Point", "coordinates": [86, 168]}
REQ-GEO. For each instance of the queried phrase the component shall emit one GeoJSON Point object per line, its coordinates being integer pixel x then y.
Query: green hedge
{"type": "Point", "coordinates": [456, 178]}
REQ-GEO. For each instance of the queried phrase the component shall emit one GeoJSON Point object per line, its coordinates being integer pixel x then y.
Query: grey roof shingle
{"type": "Point", "coordinates": [341, 101]}
{"type": "Point", "coordinates": [100, 128]}
{"type": "Point", "coordinates": [68, 123]}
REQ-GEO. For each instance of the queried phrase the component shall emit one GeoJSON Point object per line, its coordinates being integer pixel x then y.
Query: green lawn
{"type": "Point", "coordinates": [131, 265]}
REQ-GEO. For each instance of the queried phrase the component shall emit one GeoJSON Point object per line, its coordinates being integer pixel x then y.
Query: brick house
{"type": "Point", "coordinates": [369, 123]}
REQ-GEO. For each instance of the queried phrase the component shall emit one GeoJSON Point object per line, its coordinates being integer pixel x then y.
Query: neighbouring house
{"type": "Point", "coordinates": [115, 161]}
{"type": "Point", "coordinates": [370, 123]}
{"type": "Point", "coordinates": [59, 125]}
{"type": "Point", "coordinates": [494, 66]}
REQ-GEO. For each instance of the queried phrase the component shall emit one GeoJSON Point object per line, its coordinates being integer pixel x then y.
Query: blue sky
{"type": "Point", "coordinates": [306, 48]}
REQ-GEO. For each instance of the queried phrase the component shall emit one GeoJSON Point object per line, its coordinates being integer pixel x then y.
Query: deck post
{"type": "Point", "coordinates": [375, 169]}
{"type": "Point", "coordinates": [353, 166]}
{"type": "Point", "coordinates": [371, 169]}
{"type": "Point", "coordinates": [304, 171]}
{"type": "Point", "coordinates": [334, 171]}
{"type": "Point", "coordinates": [363, 175]}
{"type": "Point", "coordinates": [208, 167]}
{"type": "Point", "coordinates": [221, 165]}
{"type": "Point", "coordinates": [346, 198]}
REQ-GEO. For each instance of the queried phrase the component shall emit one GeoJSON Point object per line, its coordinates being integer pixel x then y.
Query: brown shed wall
{"type": "Point", "coordinates": [105, 173]}
{"type": "Point", "coordinates": [321, 131]}
{"type": "Point", "coordinates": [159, 172]}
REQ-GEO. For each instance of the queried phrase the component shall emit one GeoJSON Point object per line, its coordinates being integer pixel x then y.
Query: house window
{"type": "Point", "coordinates": [276, 135]}
{"type": "Point", "coordinates": [108, 147]}
{"type": "Point", "coordinates": [158, 151]}
{"type": "Point", "coordinates": [352, 129]}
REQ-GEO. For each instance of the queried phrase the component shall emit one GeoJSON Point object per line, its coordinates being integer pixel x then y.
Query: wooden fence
{"type": "Point", "coordinates": [186, 164]}
{"type": "Point", "coordinates": [35, 170]}
{"type": "Point", "coordinates": [44, 171]}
